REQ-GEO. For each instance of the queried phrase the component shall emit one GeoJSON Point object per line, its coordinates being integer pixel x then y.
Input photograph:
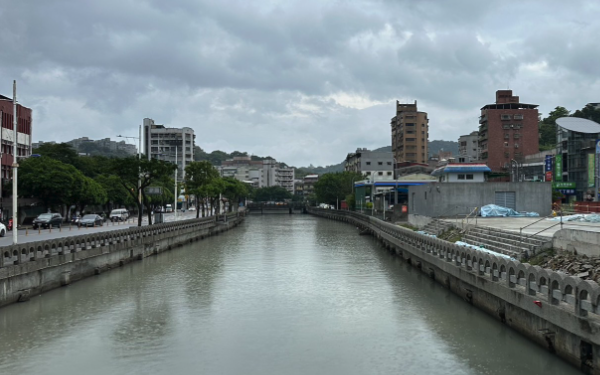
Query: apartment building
{"type": "Point", "coordinates": [174, 145]}
{"type": "Point", "coordinates": [374, 165]}
{"type": "Point", "coordinates": [508, 131]}
{"type": "Point", "coordinates": [259, 173]}
{"type": "Point", "coordinates": [410, 134]}
{"type": "Point", "coordinates": [22, 137]}
{"type": "Point", "coordinates": [468, 148]}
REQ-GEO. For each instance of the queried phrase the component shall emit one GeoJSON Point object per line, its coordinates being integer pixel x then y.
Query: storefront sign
{"type": "Point", "coordinates": [558, 168]}
{"type": "Point", "coordinates": [563, 185]}
{"type": "Point", "coordinates": [567, 191]}
{"type": "Point", "coordinates": [548, 176]}
{"type": "Point", "coordinates": [548, 163]}
{"type": "Point", "coordinates": [591, 170]}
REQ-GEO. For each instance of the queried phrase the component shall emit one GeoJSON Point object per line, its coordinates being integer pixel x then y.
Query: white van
{"type": "Point", "coordinates": [168, 208]}
{"type": "Point", "coordinates": [120, 214]}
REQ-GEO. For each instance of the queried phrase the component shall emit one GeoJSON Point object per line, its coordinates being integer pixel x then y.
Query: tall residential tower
{"type": "Point", "coordinates": [508, 131]}
{"type": "Point", "coordinates": [410, 134]}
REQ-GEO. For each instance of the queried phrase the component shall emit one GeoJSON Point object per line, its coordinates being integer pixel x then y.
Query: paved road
{"type": "Point", "coordinates": [31, 235]}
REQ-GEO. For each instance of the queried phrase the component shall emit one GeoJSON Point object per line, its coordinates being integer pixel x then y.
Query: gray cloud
{"type": "Point", "coordinates": [303, 81]}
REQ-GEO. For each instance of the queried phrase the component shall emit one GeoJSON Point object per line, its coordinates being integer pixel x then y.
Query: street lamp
{"type": "Point", "coordinates": [139, 168]}
{"type": "Point", "coordinates": [176, 193]}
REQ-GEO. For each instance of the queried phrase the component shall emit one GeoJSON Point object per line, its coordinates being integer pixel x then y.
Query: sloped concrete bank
{"type": "Point", "coordinates": [553, 309]}
{"type": "Point", "coordinates": [33, 268]}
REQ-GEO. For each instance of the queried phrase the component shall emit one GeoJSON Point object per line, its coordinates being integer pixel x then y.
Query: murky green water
{"type": "Point", "coordinates": [279, 295]}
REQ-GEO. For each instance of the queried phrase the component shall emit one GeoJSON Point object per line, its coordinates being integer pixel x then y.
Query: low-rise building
{"type": "Point", "coordinates": [468, 148]}
{"type": "Point", "coordinates": [374, 165]}
{"type": "Point", "coordinates": [261, 173]}
{"type": "Point", "coordinates": [308, 185]}
{"type": "Point", "coordinates": [461, 173]}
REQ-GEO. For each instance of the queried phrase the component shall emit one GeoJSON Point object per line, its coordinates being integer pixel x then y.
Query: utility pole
{"type": "Point", "coordinates": [1, 170]}
{"type": "Point", "coordinates": [176, 194]}
{"type": "Point", "coordinates": [15, 165]}
{"type": "Point", "coordinates": [140, 174]}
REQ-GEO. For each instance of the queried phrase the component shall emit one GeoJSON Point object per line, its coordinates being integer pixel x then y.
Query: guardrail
{"type": "Point", "coordinates": [35, 250]}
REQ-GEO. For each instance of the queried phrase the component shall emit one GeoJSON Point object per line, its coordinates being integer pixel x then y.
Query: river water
{"type": "Point", "coordinates": [281, 294]}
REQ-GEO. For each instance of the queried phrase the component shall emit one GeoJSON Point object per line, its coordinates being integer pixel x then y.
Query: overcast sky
{"type": "Point", "coordinates": [303, 81]}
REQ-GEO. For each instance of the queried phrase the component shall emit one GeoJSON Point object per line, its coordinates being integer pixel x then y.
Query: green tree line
{"type": "Point", "coordinates": [60, 179]}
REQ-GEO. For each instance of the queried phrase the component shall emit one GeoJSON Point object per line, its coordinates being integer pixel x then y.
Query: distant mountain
{"type": "Point", "coordinates": [217, 157]}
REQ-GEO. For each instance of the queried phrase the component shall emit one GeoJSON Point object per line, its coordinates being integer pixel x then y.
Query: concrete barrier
{"type": "Point", "coordinates": [551, 308]}
{"type": "Point", "coordinates": [35, 267]}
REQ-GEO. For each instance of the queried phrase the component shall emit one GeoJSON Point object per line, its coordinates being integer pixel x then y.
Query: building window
{"type": "Point", "coordinates": [505, 117]}
{"type": "Point", "coordinates": [518, 117]}
{"type": "Point", "coordinates": [380, 173]}
{"type": "Point", "coordinates": [389, 173]}
{"type": "Point", "coordinates": [461, 176]}
{"type": "Point", "coordinates": [389, 163]}
{"type": "Point", "coordinates": [380, 163]}
{"type": "Point", "coordinates": [469, 177]}
{"type": "Point", "coordinates": [368, 163]}
{"type": "Point", "coordinates": [506, 136]}
{"type": "Point", "coordinates": [516, 145]}
{"type": "Point", "coordinates": [505, 144]}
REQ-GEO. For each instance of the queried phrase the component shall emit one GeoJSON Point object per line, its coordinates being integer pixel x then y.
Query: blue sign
{"type": "Point", "coordinates": [549, 162]}
{"type": "Point", "coordinates": [598, 146]}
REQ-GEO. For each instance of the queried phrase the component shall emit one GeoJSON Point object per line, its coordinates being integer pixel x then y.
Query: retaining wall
{"type": "Point", "coordinates": [35, 267]}
{"type": "Point", "coordinates": [551, 308]}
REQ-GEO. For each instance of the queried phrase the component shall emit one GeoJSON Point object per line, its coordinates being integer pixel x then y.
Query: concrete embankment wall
{"type": "Point", "coordinates": [36, 267]}
{"type": "Point", "coordinates": [448, 200]}
{"type": "Point", "coordinates": [553, 309]}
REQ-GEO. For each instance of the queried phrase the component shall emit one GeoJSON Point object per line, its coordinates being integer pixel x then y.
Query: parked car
{"type": "Point", "coordinates": [91, 220]}
{"type": "Point", "coordinates": [47, 221]}
{"type": "Point", "coordinates": [120, 214]}
{"type": "Point", "coordinates": [75, 219]}
{"type": "Point", "coordinates": [2, 230]}
{"type": "Point", "coordinates": [168, 208]}
{"type": "Point", "coordinates": [192, 208]}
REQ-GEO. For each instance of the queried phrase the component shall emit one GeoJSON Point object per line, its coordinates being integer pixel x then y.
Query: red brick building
{"type": "Point", "coordinates": [508, 130]}
{"type": "Point", "coordinates": [24, 122]}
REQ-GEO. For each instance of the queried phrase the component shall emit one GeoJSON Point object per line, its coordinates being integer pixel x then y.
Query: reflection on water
{"type": "Point", "coordinates": [278, 295]}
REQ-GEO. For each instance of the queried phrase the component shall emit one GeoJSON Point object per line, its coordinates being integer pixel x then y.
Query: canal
{"type": "Point", "coordinates": [281, 294]}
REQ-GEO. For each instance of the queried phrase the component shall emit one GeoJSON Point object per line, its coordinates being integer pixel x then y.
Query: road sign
{"type": "Point", "coordinates": [153, 190]}
{"type": "Point", "coordinates": [548, 163]}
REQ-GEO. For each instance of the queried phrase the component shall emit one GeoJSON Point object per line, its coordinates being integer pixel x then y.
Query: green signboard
{"type": "Point", "coordinates": [591, 170]}
{"type": "Point", "coordinates": [563, 185]}
{"type": "Point", "coordinates": [558, 168]}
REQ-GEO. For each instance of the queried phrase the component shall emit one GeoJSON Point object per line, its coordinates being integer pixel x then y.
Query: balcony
{"type": "Point", "coordinates": [483, 119]}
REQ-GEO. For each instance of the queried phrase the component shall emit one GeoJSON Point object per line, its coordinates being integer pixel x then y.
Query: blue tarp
{"type": "Point", "coordinates": [492, 210]}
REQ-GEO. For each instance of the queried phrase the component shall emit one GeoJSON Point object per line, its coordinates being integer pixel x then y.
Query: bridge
{"type": "Point", "coordinates": [276, 208]}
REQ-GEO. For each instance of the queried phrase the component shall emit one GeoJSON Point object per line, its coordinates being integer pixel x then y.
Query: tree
{"type": "Point", "coordinates": [547, 128]}
{"type": "Point", "coordinates": [127, 171]}
{"type": "Point", "coordinates": [62, 152]}
{"type": "Point", "coordinates": [89, 192]}
{"type": "Point", "coordinates": [333, 187]}
{"type": "Point", "coordinates": [116, 194]}
{"type": "Point", "coordinates": [199, 180]}
{"type": "Point", "coordinates": [51, 181]}
{"type": "Point", "coordinates": [233, 191]}
{"type": "Point", "coordinates": [271, 193]}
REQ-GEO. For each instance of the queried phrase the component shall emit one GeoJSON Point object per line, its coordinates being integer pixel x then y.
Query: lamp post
{"type": "Point", "coordinates": [176, 193]}
{"type": "Point", "coordinates": [139, 168]}
{"type": "Point", "coordinates": [15, 165]}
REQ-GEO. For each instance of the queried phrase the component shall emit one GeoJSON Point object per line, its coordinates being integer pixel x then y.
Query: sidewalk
{"type": "Point", "coordinates": [543, 227]}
